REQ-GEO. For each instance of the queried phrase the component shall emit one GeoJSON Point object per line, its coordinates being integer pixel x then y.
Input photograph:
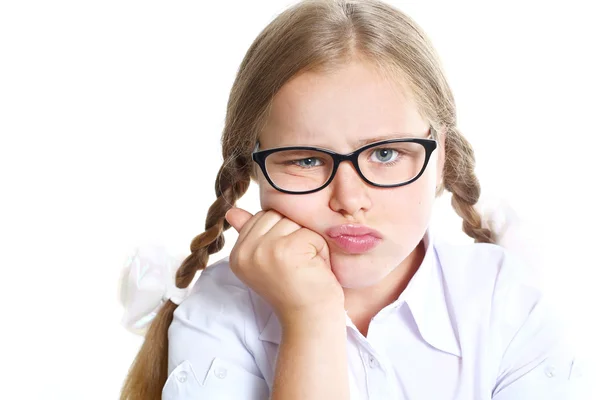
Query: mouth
{"type": "Point", "coordinates": [354, 239]}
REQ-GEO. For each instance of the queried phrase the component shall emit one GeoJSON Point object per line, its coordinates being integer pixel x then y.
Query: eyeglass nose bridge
{"type": "Point", "coordinates": [340, 158]}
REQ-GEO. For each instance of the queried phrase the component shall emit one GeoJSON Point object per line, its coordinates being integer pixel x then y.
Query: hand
{"type": "Point", "coordinates": [285, 263]}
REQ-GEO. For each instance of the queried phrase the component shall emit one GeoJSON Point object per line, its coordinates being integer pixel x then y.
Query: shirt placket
{"type": "Point", "coordinates": [376, 376]}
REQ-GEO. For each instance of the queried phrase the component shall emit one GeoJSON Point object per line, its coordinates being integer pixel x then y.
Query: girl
{"type": "Point", "coordinates": [341, 114]}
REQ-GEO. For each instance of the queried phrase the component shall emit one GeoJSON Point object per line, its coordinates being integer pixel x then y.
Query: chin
{"type": "Point", "coordinates": [356, 271]}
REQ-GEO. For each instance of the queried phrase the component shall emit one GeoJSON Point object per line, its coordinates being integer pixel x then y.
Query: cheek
{"type": "Point", "coordinates": [419, 192]}
{"type": "Point", "coordinates": [408, 206]}
{"type": "Point", "coordinates": [298, 208]}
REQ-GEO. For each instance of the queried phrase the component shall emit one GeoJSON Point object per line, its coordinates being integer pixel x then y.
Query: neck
{"type": "Point", "coordinates": [364, 303]}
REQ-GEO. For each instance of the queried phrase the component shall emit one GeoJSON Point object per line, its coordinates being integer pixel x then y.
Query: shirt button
{"type": "Point", "coordinates": [182, 376]}
{"type": "Point", "coordinates": [550, 370]}
{"type": "Point", "coordinates": [373, 362]}
{"type": "Point", "coordinates": [221, 373]}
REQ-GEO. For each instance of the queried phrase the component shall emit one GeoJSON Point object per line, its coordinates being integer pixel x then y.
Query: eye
{"type": "Point", "coordinates": [384, 155]}
{"type": "Point", "coordinates": [308, 162]}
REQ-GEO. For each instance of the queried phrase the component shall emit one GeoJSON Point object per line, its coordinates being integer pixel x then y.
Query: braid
{"type": "Point", "coordinates": [460, 180]}
{"type": "Point", "coordinates": [148, 372]}
{"type": "Point", "coordinates": [230, 185]}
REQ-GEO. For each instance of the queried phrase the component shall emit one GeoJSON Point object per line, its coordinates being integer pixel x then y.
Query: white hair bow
{"type": "Point", "coordinates": [147, 282]}
{"type": "Point", "coordinates": [512, 231]}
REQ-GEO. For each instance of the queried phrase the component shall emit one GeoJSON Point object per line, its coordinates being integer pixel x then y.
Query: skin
{"type": "Point", "coordinates": [284, 253]}
{"type": "Point", "coordinates": [336, 112]}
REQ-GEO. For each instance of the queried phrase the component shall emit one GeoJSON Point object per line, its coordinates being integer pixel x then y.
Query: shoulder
{"type": "Point", "coordinates": [486, 269]}
{"type": "Point", "coordinates": [217, 318]}
{"type": "Point", "coordinates": [209, 339]}
{"type": "Point", "coordinates": [490, 287]}
{"type": "Point", "coordinates": [217, 296]}
{"type": "Point", "coordinates": [493, 292]}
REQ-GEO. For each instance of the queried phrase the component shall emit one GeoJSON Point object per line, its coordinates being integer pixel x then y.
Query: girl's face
{"type": "Point", "coordinates": [342, 112]}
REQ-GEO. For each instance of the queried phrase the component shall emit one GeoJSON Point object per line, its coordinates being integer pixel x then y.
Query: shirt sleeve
{"type": "Point", "coordinates": [207, 352]}
{"type": "Point", "coordinates": [538, 362]}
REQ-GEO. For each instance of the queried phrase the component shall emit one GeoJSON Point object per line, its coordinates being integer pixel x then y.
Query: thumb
{"type": "Point", "coordinates": [237, 218]}
{"type": "Point", "coordinates": [316, 245]}
{"type": "Point", "coordinates": [323, 252]}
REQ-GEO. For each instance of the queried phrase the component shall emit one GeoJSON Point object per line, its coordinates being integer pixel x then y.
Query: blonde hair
{"type": "Point", "coordinates": [315, 35]}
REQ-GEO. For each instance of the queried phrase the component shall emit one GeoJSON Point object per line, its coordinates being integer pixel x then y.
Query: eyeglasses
{"type": "Point", "coordinates": [386, 164]}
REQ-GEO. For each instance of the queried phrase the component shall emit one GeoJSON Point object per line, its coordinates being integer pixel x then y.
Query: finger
{"type": "Point", "coordinates": [237, 218]}
{"type": "Point", "coordinates": [314, 244]}
{"type": "Point", "coordinates": [238, 215]}
{"type": "Point", "coordinates": [262, 225]}
{"type": "Point", "coordinates": [283, 227]}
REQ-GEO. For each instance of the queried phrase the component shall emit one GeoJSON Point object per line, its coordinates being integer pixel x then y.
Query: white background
{"type": "Point", "coordinates": [110, 119]}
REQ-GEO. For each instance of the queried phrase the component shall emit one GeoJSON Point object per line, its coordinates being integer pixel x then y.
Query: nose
{"type": "Point", "coordinates": [349, 192]}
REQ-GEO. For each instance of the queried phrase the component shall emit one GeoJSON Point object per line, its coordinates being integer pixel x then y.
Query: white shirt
{"type": "Point", "coordinates": [471, 324]}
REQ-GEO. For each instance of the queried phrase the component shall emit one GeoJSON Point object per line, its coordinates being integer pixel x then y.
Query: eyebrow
{"type": "Point", "coordinates": [395, 135]}
{"type": "Point", "coordinates": [364, 142]}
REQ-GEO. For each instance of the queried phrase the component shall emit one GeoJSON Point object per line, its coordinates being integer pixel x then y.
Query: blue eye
{"type": "Point", "coordinates": [385, 155]}
{"type": "Point", "coordinates": [307, 162]}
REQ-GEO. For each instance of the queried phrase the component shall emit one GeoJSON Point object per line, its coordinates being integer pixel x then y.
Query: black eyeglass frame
{"type": "Point", "coordinates": [260, 157]}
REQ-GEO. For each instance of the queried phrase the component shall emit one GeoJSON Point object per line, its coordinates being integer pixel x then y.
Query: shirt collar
{"type": "Point", "coordinates": [425, 297]}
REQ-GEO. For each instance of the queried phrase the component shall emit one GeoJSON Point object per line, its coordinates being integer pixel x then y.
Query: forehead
{"type": "Point", "coordinates": [340, 110]}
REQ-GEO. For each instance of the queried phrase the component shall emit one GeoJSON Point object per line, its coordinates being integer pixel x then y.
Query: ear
{"type": "Point", "coordinates": [441, 156]}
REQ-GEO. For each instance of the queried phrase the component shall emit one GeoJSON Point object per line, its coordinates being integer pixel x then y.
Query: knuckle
{"type": "Point", "coordinates": [280, 249]}
{"type": "Point", "coordinates": [240, 257]}
{"type": "Point", "coordinates": [272, 213]}
{"type": "Point", "coordinates": [259, 254]}
{"type": "Point", "coordinates": [234, 261]}
{"type": "Point", "coordinates": [233, 255]}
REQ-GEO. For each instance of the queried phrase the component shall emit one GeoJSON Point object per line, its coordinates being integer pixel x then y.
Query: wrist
{"type": "Point", "coordinates": [330, 315]}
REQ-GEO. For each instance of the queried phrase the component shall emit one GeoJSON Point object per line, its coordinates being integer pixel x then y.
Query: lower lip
{"type": "Point", "coordinates": [356, 244]}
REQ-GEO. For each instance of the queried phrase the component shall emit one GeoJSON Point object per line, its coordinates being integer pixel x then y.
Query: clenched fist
{"type": "Point", "coordinates": [285, 263]}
